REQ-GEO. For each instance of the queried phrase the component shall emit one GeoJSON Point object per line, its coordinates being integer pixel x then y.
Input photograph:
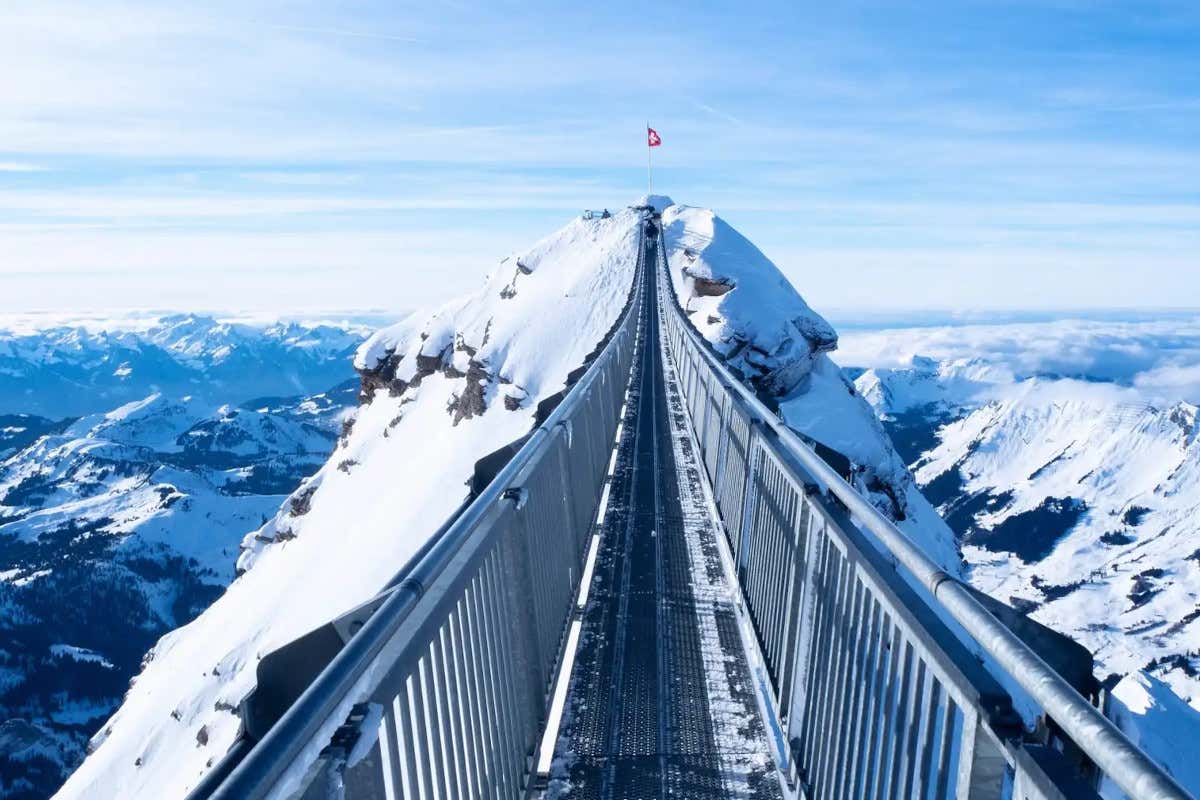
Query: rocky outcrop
{"type": "Point", "coordinates": [740, 302]}
{"type": "Point", "coordinates": [705, 286]}
{"type": "Point", "coordinates": [470, 401]}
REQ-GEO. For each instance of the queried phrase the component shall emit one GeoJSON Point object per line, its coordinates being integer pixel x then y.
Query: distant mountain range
{"type": "Point", "coordinates": [123, 523]}
{"type": "Point", "coordinates": [74, 370]}
{"type": "Point", "coordinates": [1077, 501]}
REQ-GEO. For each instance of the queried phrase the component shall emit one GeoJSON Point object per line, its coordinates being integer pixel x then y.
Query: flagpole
{"type": "Point", "coordinates": [649, 175]}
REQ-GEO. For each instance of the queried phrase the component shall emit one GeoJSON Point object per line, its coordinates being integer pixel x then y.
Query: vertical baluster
{"type": "Point", "coordinates": [421, 734]}
{"type": "Point", "coordinates": [874, 708]}
{"type": "Point", "coordinates": [912, 734]}
{"type": "Point", "coordinates": [847, 652]}
{"type": "Point", "coordinates": [817, 657]}
{"type": "Point", "coordinates": [861, 681]}
{"type": "Point", "coordinates": [448, 702]}
{"type": "Point", "coordinates": [469, 691]}
{"type": "Point", "coordinates": [437, 738]}
{"type": "Point", "coordinates": [925, 747]}
{"type": "Point", "coordinates": [500, 614]}
{"type": "Point", "coordinates": [484, 679]}
{"type": "Point", "coordinates": [389, 754]}
{"type": "Point", "coordinates": [948, 737]}
{"type": "Point", "coordinates": [497, 685]}
{"type": "Point", "coordinates": [828, 656]}
{"type": "Point", "coordinates": [895, 735]}
{"type": "Point", "coordinates": [981, 765]}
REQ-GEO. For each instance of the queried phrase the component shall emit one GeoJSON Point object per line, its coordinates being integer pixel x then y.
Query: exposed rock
{"type": "Point", "coordinates": [514, 395]}
{"type": "Point", "coordinates": [301, 501]}
{"type": "Point", "coordinates": [347, 429]}
{"type": "Point", "coordinates": [381, 376]}
{"type": "Point", "coordinates": [510, 289]}
{"type": "Point", "coordinates": [708, 286]}
{"type": "Point", "coordinates": [470, 401]}
{"type": "Point", "coordinates": [427, 365]}
{"type": "Point", "coordinates": [461, 346]}
{"type": "Point", "coordinates": [202, 736]}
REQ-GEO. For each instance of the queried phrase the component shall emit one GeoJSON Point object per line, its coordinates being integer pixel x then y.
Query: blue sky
{"type": "Point", "coordinates": [307, 156]}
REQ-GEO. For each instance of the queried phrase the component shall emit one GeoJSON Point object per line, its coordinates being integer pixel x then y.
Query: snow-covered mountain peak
{"type": "Point", "coordinates": [923, 381]}
{"type": "Point", "coordinates": [659, 202]}
{"type": "Point", "coordinates": [568, 282]}
{"type": "Point", "coordinates": [741, 302]}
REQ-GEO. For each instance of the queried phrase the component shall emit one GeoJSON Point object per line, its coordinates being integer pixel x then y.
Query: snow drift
{"type": "Point", "coordinates": [440, 390]}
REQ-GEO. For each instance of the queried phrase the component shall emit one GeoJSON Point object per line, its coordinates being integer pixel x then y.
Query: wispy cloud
{"type": "Point", "coordinates": [989, 153]}
{"type": "Point", "coordinates": [18, 166]}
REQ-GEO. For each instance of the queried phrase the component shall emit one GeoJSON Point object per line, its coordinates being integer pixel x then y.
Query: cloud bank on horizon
{"type": "Point", "coordinates": [886, 154]}
{"type": "Point", "coordinates": [1156, 360]}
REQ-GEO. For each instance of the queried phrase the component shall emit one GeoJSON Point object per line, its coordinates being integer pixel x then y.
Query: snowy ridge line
{"type": "Point", "coordinates": [463, 559]}
{"type": "Point", "coordinates": [1119, 758]}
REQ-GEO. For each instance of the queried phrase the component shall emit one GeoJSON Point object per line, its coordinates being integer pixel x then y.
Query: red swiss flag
{"type": "Point", "coordinates": [652, 137]}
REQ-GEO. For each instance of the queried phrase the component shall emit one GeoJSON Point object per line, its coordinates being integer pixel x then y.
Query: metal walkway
{"type": "Point", "coordinates": [661, 699]}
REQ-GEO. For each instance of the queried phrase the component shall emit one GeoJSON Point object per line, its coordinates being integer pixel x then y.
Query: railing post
{"type": "Point", "coordinates": [981, 762]}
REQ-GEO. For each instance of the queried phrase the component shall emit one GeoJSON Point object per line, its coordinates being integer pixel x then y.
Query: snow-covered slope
{"type": "Point", "coordinates": [114, 529]}
{"type": "Point", "coordinates": [441, 389]}
{"type": "Point", "coordinates": [1160, 723]}
{"type": "Point", "coordinates": [743, 305]}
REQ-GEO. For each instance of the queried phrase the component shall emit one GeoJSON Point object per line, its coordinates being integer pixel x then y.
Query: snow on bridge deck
{"type": "Point", "coordinates": [661, 700]}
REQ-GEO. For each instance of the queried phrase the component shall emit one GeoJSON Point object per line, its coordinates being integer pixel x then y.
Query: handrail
{"type": "Point", "coordinates": [1119, 758]}
{"type": "Point", "coordinates": [326, 703]}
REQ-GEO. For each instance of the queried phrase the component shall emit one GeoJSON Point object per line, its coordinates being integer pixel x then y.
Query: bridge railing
{"type": "Point", "coordinates": [878, 697]}
{"type": "Point", "coordinates": [454, 665]}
